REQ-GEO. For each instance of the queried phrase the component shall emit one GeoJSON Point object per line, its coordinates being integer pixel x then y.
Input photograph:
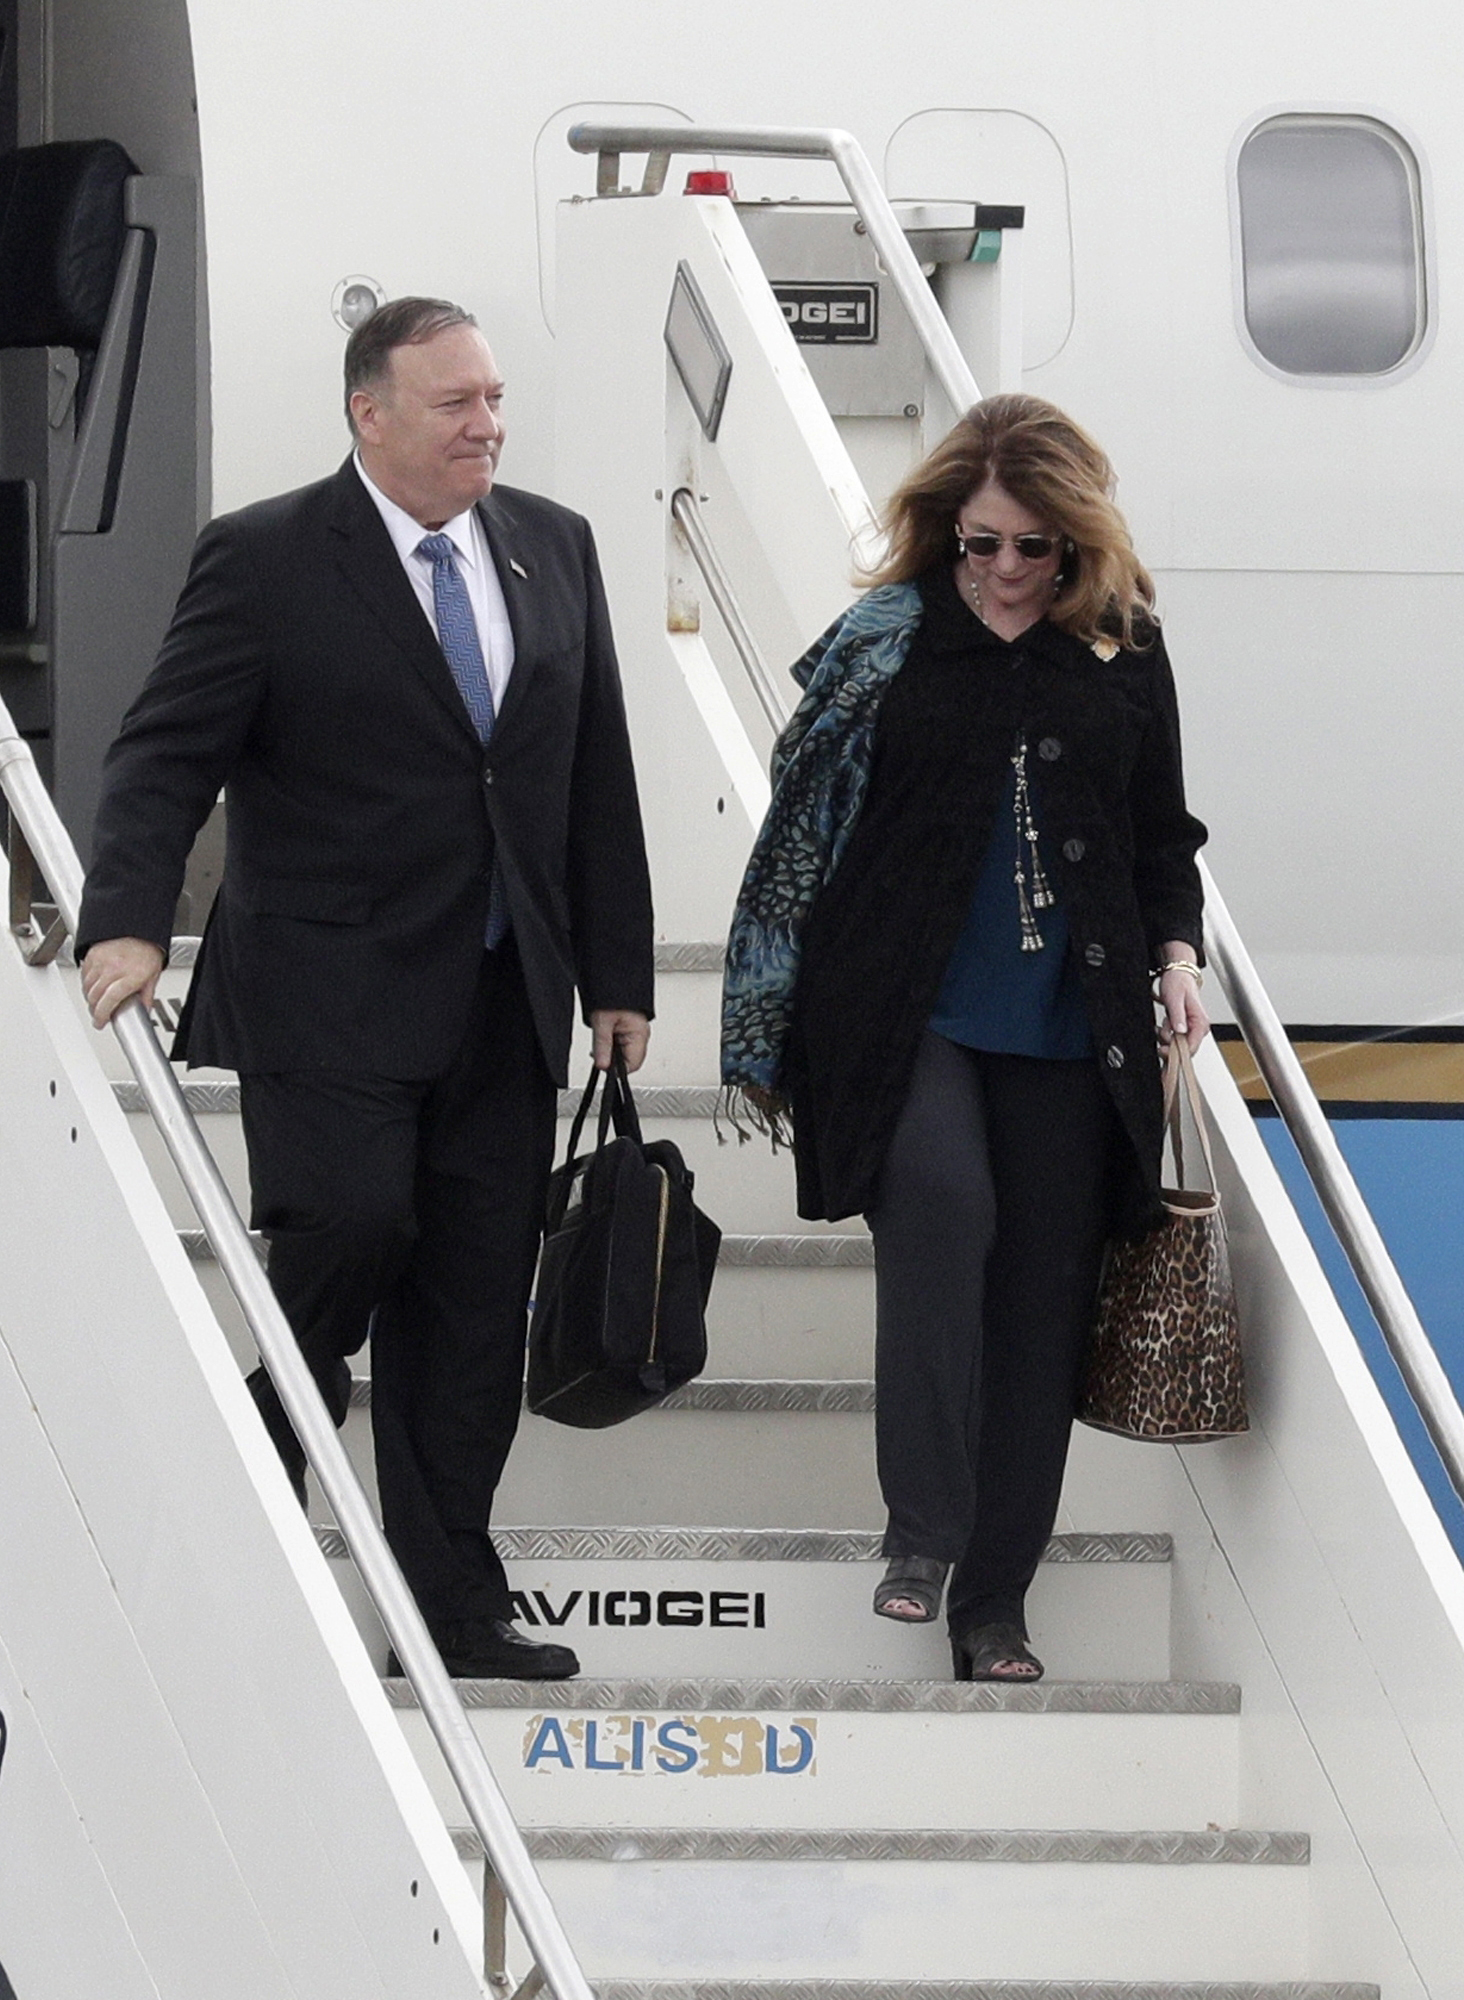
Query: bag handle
{"type": "Point", "coordinates": [617, 1105]}
{"type": "Point", "coordinates": [1180, 1064]}
{"type": "Point", "coordinates": [627, 1118]}
{"type": "Point", "coordinates": [579, 1117]}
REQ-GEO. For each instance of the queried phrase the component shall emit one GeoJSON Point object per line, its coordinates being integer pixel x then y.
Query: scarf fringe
{"type": "Point", "coordinates": [764, 1112]}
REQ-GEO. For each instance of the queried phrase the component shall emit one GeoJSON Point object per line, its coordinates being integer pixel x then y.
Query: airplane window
{"type": "Point", "coordinates": [1331, 244]}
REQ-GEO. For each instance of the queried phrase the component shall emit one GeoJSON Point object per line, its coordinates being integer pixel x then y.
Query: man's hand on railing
{"type": "Point", "coordinates": [114, 970]}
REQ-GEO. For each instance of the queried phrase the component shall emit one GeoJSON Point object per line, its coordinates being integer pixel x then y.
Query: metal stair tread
{"type": "Point", "coordinates": [822, 1397]}
{"type": "Point", "coordinates": [688, 955]}
{"type": "Point", "coordinates": [657, 1695]}
{"type": "Point", "coordinates": [1207, 1847]}
{"type": "Point", "coordinates": [984, 1989]}
{"type": "Point", "coordinates": [822, 1545]}
{"type": "Point", "coordinates": [816, 1252]}
{"type": "Point", "coordinates": [208, 1097]}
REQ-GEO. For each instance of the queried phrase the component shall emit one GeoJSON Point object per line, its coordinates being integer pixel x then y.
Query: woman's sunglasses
{"type": "Point", "coordinates": [1031, 548]}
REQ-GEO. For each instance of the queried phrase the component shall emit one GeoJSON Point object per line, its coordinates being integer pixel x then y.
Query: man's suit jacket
{"type": "Point", "coordinates": [363, 812]}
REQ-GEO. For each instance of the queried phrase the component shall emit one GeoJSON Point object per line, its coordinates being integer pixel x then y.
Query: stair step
{"type": "Point", "coordinates": [1073, 1913]}
{"type": "Point", "coordinates": [1215, 1847]}
{"type": "Point", "coordinates": [710, 956]}
{"type": "Point", "coordinates": [695, 955]}
{"type": "Point", "coordinates": [979, 1989]}
{"type": "Point", "coordinates": [848, 1697]}
{"type": "Point", "coordinates": [216, 1098]}
{"type": "Point", "coordinates": [624, 1755]}
{"type": "Point", "coordinates": [799, 1322]}
{"type": "Point", "coordinates": [796, 1604]}
{"type": "Point", "coordinates": [820, 1398]}
{"type": "Point", "coordinates": [806, 1252]}
{"type": "Point", "coordinates": [778, 1545]}
{"type": "Point", "coordinates": [800, 1252]}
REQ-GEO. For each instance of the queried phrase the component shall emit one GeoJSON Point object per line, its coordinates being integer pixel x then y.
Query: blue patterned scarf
{"type": "Point", "coordinates": [820, 771]}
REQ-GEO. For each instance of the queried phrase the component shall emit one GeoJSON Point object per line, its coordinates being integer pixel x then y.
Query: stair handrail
{"type": "Point", "coordinates": [1336, 1187]}
{"type": "Point", "coordinates": [797, 142]}
{"type": "Point", "coordinates": [507, 1857]}
{"type": "Point", "coordinates": [687, 515]}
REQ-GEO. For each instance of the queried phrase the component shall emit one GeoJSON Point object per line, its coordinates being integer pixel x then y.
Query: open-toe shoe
{"type": "Point", "coordinates": [996, 1652]}
{"type": "Point", "coordinates": [911, 1580]}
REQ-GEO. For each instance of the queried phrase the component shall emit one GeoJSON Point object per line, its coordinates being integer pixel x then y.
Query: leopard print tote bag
{"type": "Point", "coordinates": [1165, 1362]}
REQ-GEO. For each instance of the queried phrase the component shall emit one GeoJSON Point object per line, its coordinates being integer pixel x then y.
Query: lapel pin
{"type": "Point", "coordinates": [518, 569]}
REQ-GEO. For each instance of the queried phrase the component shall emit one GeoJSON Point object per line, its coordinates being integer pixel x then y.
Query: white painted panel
{"type": "Point", "coordinates": [1342, 869]}
{"type": "Point", "coordinates": [1003, 157]}
{"type": "Point", "coordinates": [954, 1771]}
{"type": "Point", "coordinates": [813, 1620]}
{"type": "Point", "coordinates": [181, 1645]}
{"type": "Point", "coordinates": [48, 1865]}
{"type": "Point", "coordinates": [934, 1920]}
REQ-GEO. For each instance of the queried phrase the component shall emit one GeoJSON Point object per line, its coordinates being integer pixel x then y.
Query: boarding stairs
{"type": "Point", "coordinates": [1090, 1829]}
{"type": "Point", "coordinates": [871, 1821]}
{"type": "Point", "coordinates": [1243, 1778]}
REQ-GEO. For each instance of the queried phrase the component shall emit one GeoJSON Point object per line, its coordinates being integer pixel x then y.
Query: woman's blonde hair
{"type": "Point", "coordinates": [1051, 466]}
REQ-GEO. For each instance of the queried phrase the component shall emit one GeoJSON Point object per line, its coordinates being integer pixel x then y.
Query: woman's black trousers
{"type": "Point", "coordinates": [988, 1224]}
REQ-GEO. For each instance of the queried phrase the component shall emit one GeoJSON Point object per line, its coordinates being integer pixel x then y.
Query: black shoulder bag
{"type": "Point", "coordinates": [624, 1275]}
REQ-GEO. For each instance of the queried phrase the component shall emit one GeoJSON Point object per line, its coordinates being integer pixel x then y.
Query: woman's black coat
{"type": "Point", "coordinates": [1104, 760]}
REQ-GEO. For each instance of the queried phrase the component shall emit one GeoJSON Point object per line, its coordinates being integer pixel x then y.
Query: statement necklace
{"type": "Point", "coordinates": [1034, 891]}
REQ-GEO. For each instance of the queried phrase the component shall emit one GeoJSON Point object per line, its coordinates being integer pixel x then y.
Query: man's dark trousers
{"type": "Point", "coordinates": [413, 1209]}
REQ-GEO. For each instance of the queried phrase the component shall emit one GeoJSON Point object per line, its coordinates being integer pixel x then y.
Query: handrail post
{"type": "Point", "coordinates": [495, 1932]}
{"type": "Point", "coordinates": [37, 946]}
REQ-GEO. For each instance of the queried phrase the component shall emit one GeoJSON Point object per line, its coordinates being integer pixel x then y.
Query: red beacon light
{"type": "Point", "coordinates": [711, 180]}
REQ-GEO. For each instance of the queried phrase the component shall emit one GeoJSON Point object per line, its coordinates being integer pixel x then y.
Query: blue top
{"type": "Point", "coordinates": [997, 996]}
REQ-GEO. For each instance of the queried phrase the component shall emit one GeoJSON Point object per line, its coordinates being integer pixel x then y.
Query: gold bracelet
{"type": "Point", "coordinates": [1181, 965]}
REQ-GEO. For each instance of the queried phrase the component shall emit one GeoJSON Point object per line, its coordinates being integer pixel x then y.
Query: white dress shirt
{"type": "Point", "coordinates": [475, 565]}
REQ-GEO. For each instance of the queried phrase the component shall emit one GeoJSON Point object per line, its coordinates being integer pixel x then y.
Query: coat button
{"type": "Point", "coordinates": [1049, 749]}
{"type": "Point", "coordinates": [1074, 850]}
{"type": "Point", "coordinates": [487, 774]}
{"type": "Point", "coordinates": [1094, 954]}
{"type": "Point", "coordinates": [1114, 1056]}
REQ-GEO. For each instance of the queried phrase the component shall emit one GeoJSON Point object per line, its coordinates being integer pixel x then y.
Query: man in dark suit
{"type": "Point", "coordinates": [404, 675]}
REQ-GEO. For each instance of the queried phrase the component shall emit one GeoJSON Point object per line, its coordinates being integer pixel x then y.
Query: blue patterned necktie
{"type": "Point", "coordinates": [457, 634]}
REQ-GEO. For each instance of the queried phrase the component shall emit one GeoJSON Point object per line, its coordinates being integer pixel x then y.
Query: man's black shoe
{"type": "Point", "coordinates": [494, 1650]}
{"type": "Point", "coordinates": [271, 1410]}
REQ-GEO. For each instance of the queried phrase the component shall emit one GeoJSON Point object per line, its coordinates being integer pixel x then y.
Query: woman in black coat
{"type": "Point", "coordinates": [976, 875]}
